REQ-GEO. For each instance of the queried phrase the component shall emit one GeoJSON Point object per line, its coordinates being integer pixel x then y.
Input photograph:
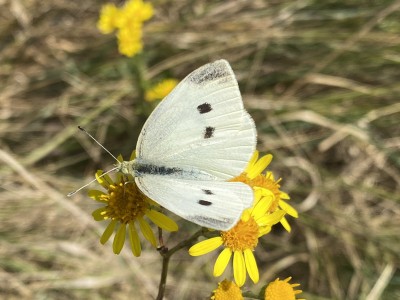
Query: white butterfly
{"type": "Point", "coordinates": [196, 139]}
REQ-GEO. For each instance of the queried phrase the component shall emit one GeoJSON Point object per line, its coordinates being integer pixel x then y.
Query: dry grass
{"type": "Point", "coordinates": [321, 79]}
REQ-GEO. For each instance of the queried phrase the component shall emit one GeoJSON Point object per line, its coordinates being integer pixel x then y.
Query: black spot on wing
{"type": "Point", "coordinates": [204, 108]}
{"type": "Point", "coordinates": [208, 192]}
{"type": "Point", "coordinates": [204, 202]}
{"type": "Point", "coordinates": [210, 72]}
{"type": "Point", "coordinates": [208, 132]}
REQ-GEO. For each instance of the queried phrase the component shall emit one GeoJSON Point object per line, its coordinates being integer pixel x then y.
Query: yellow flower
{"type": "Point", "coordinates": [138, 10]}
{"type": "Point", "coordinates": [126, 208]}
{"type": "Point", "coordinates": [266, 183]}
{"type": "Point", "coordinates": [241, 240]}
{"type": "Point", "coordinates": [129, 41]}
{"type": "Point", "coordinates": [227, 290]}
{"type": "Point", "coordinates": [128, 20]}
{"type": "Point", "coordinates": [108, 18]}
{"type": "Point", "coordinates": [160, 90]}
{"type": "Point", "coordinates": [282, 290]}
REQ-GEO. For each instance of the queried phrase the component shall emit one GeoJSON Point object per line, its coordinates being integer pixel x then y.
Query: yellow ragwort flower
{"type": "Point", "coordinates": [282, 290]}
{"type": "Point", "coordinates": [128, 20]}
{"type": "Point", "coordinates": [266, 183]}
{"type": "Point", "coordinates": [227, 290]}
{"type": "Point", "coordinates": [108, 20]}
{"type": "Point", "coordinates": [138, 11]}
{"type": "Point", "coordinates": [241, 240]}
{"type": "Point", "coordinates": [160, 90]}
{"type": "Point", "coordinates": [129, 41]}
{"type": "Point", "coordinates": [126, 207]}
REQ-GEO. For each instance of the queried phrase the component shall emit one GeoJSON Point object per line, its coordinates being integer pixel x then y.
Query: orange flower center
{"type": "Point", "coordinates": [227, 290]}
{"type": "Point", "coordinates": [281, 290]}
{"type": "Point", "coordinates": [243, 236]}
{"type": "Point", "coordinates": [125, 202]}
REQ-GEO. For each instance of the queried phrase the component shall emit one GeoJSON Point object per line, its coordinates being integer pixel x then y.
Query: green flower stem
{"type": "Point", "coordinates": [166, 255]}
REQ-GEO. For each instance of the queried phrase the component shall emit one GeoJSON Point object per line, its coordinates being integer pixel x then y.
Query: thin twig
{"type": "Point", "coordinates": [166, 254]}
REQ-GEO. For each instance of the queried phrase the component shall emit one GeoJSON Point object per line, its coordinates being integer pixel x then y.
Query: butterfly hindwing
{"type": "Point", "coordinates": [201, 124]}
{"type": "Point", "coordinates": [212, 204]}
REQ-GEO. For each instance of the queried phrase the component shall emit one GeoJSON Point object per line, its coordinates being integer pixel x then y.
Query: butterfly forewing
{"type": "Point", "coordinates": [226, 156]}
{"type": "Point", "coordinates": [201, 124]}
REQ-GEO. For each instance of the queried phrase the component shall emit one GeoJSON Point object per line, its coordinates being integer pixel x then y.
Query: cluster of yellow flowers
{"type": "Point", "coordinates": [276, 290]}
{"type": "Point", "coordinates": [126, 205]}
{"type": "Point", "coordinates": [160, 90]}
{"type": "Point", "coordinates": [269, 208]}
{"type": "Point", "coordinates": [128, 22]}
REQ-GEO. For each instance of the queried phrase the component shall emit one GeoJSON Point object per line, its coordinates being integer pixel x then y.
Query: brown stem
{"type": "Point", "coordinates": [166, 255]}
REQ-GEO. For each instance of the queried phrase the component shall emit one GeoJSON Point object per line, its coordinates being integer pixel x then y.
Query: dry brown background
{"type": "Point", "coordinates": [320, 78]}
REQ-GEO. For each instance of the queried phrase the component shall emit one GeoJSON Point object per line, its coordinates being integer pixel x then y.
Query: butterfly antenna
{"type": "Point", "coordinates": [82, 187]}
{"type": "Point", "coordinates": [97, 142]}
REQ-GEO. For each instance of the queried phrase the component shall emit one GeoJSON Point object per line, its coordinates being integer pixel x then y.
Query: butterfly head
{"type": "Point", "coordinates": [125, 167]}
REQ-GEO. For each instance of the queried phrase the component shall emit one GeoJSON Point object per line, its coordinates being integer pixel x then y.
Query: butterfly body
{"type": "Point", "coordinates": [136, 168]}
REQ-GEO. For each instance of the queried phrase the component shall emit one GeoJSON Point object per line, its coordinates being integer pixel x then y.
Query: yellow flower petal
{"type": "Point", "coordinates": [272, 219]}
{"type": "Point", "coordinates": [119, 177]}
{"type": "Point", "coordinates": [102, 180]}
{"type": "Point", "coordinates": [259, 166]}
{"type": "Point", "coordinates": [222, 261]}
{"type": "Point", "coordinates": [147, 232]}
{"type": "Point", "coordinates": [258, 192]}
{"type": "Point", "coordinates": [288, 209]}
{"type": "Point", "coordinates": [264, 230]}
{"type": "Point", "coordinates": [119, 239]}
{"type": "Point", "coordinates": [205, 246]}
{"type": "Point", "coordinates": [107, 179]}
{"type": "Point", "coordinates": [267, 193]}
{"type": "Point", "coordinates": [134, 240]}
{"type": "Point", "coordinates": [270, 175]}
{"type": "Point", "coordinates": [108, 232]}
{"type": "Point", "coordinates": [246, 215]}
{"type": "Point", "coordinates": [251, 265]}
{"type": "Point", "coordinates": [284, 196]}
{"type": "Point", "coordinates": [239, 268]}
{"type": "Point", "coordinates": [95, 195]}
{"type": "Point", "coordinates": [162, 220]}
{"type": "Point", "coordinates": [252, 161]}
{"type": "Point", "coordinates": [98, 214]}
{"type": "Point", "coordinates": [133, 155]}
{"type": "Point", "coordinates": [261, 208]}
{"type": "Point", "coordinates": [285, 224]}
